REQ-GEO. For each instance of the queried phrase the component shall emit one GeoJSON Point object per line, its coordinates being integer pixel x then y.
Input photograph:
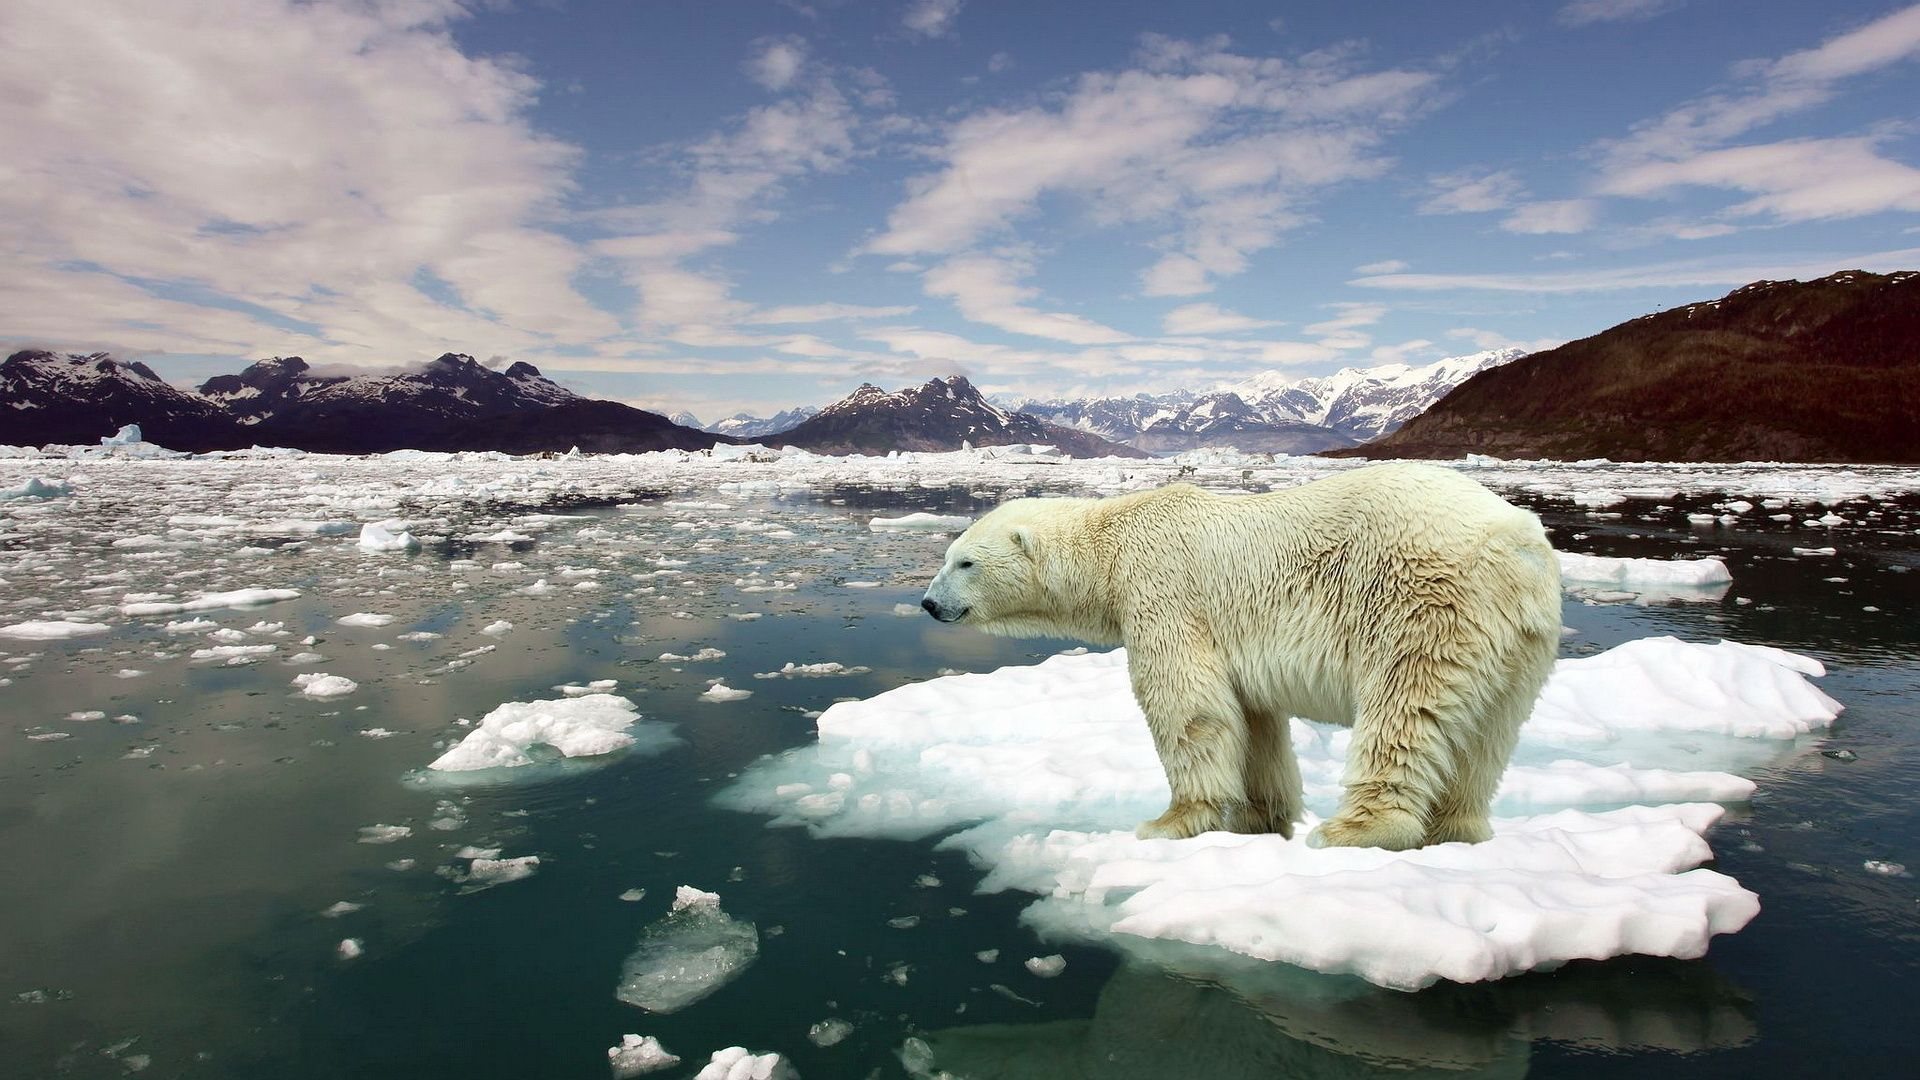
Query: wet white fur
{"type": "Point", "coordinates": [1404, 599]}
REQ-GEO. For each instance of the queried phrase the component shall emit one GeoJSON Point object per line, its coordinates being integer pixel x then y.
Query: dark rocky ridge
{"type": "Point", "coordinates": [1825, 370]}
{"type": "Point", "coordinates": [942, 414]}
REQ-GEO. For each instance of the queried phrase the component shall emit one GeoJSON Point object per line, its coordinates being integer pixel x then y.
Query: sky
{"type": "Point", "coordinates": [735, 205]}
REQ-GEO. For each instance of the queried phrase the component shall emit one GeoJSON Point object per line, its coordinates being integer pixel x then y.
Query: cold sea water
{"type": "Point", "coordinates": [187, 842]}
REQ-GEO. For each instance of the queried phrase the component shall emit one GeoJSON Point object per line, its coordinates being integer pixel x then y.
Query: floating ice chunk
{"type": "Point", "coordinates": [350, 948]}
{"type": "Point", "coordinates": [829, 1032]}
{"type": "Point", "coordinates": [191, 626]}
{"type": "Point", "coordinates": [1647, 580]}
{"type": "Point", "coordinates": [921, 522]}
{"type": "Point", "coordinates": [234, 654]}
{"type": "Point", "coordinates": [692, 952]}
{"type": "Point", "coordinates": [237, 598]}
{"type": "Point", "coordinates": [1047, 966]}
{"type": "Point", "coordinates": [791, 670]}
{"type": "Point", "coordinates": [485, 873]}
{"type": "Point", "coordinates": [577, 727]}
{"type": "Point", "coordinates": [375, 537]}
{"type": "Point", "coordinates": [497, 628]}
{"type": "Point", "coordinates": [720, 691]}
{"type": "Point", "coordinates": [34, 487]}
{"type": "Point", "coordinates": [739, 1063]}
{"type": "Point", "coordinates": [52, 629]}
{"type": "Point", "coordinates": [341, 907]}
{"type": "Point", "coordinates": [1815, 551]}
{"type": "Point", "coordinates": [365, 618]}
{"type": "Point", "coordinates": [322, 686]}
{"type": "Point", "coordinates": [637, 1055]}
{"type": "Point", "coordinates": [699, 657]}
{"type": "Point", "coordinates": [1052, 766]}
{"type": "Point", "coordinates": [384, 834]}
{"type": "Point", "coordinates": [1664, 684]}
{"type": "Point", "coordinates": [908, 611]}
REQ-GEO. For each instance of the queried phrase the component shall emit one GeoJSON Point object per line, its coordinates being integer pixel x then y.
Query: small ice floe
{"type": "Point", "coordinates": [350, 948]}
{"type": "Point", "coordinates": [825, 669]}
{"type": "Point", "coordinates": [720, 692]}
{"type": "Point", "coordinates": [1048, 966]}
{"type": "Point", "coordinates": [597, 686]}
{"type": "Point", "coordinates": [700, 657]}
{"type": "Point", "coordinates": [377, 537]}
{"type": "Point", "coordinates": [341, 907]}
{"type": "Point", "coordinates": [633, 896]}
{"type": "Point", "coordinates": [52, 630]}
{"type": "Point", "coordinates": [828, 1032]}
{"type": "Point", "coordinates": [497, 628]}
{"type": "Point", "coordinates": [1885, 869]}
{"type": "Point", "coordinates": [1643, 580]}
{"type": "Point", "coordinates": [365, 618]}
{"type": "Point", "coordinates": [486, 871]}
{"type": "Point", "coordinates": [236, 598]}
{"type": "Point", "coordinates": [739, 1063]}
{"type": "Point", "coordinates": [36, 487]}
{"type": "Point", "coordinates": [589, 726]}
{"type": "Point", "coordinates": [234, 654]}
{"type": "Point", "coordinates": [540, 587]}
{"type": "Point", "coordinates": [692, 952]}
{"type": "Point", "coordinates": [384, 834]}
{"type": "Point", "coordinates": [908, 611]}
{"type": "Point", "coordinates": [321, 686]}
{"type": "Point", "coordinates": [921, 522]}
{"type": "Point", "coordinates": [638, 1055]}
{"type": "Point", "coordinates": [1815, 551]}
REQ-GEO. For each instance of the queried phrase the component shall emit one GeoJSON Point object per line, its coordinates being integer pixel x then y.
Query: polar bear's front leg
{"type": "Point", "coordinates": [1201, 736]}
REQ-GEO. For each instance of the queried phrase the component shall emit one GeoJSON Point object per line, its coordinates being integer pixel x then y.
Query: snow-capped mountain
{"type": "Point", "coordinates": [687, 419]}
{"type": "Point", "coordinates": [452, 403]}
{"type": "Point", "coordinates": [943, 414]}
{"type": "Point", "coordinates": [265, 387]}
{"type": "Point", "coordinates": [1272, 412]}
{"type": "Point", "coordinates": [69, 398]}
{"type": "Point", "coordinates": [747, 426]}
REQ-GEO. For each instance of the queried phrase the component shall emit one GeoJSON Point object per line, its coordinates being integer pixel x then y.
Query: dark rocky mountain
{"type": "Point", "coordinates": [453, 403]}
{"type": "Point", "coordinates": [944, 414]}
{"type": "Point", "coordinates": [1825, 370]}
{"type": "Point", "coordinates": [747, 426]}
{"type": "Point", "coordinates": [68, 398]}
{"type": "Point", "coordinates": [1272, 412]}
{"type": "Point", "coordinates": [265, 387]}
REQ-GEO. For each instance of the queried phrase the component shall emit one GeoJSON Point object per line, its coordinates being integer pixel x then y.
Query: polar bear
{"type": "Point", "coordinates": [1403, 599]}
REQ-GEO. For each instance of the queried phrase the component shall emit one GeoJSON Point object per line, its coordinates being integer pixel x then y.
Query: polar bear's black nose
{"type": "Point", "coordinates": [932, 608]}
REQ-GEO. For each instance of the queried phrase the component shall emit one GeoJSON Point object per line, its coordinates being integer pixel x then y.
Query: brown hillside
{"type": "Point", "coordinates": [1825, 370]}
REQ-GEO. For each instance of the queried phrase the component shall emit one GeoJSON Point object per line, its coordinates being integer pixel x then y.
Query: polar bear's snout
{"type": "Point", "coordinates": [942, 612]}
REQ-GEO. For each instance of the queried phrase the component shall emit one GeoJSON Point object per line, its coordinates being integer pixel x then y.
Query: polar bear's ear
{"type": "Point", "coordinates": [1023, 539]}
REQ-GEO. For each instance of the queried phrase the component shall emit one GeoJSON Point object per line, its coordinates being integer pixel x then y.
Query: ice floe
{"type": "Point", "coordinates": [692, 952]}
{"type": "Point", "coordinates": [739, 1063]}
{"type": "Point", "coordinates": [236, 598]}
{"type": "Point", "coordinates": [638, 1055]}
{"type": "Point", "coordinates": [587, 726]}
{"type": "Point", "coordinates": [1049, 767]}
{"type": "Point", "coordinates": [322, 686]}
{"type": "Point", "coordinates": [920, 522]}
{"type": "Point", "coordinates": [52, 629]}
{"type": "Point", "coordinates": [375, 537]}
{"type": "Point", "coordinates": [1644, 580]}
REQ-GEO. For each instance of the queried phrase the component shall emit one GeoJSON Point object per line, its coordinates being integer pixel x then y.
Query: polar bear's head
{"type": "Point", "coordinates": [990, 573]}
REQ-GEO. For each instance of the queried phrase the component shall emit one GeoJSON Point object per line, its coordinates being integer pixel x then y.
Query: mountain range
{"type": "Point", "coordinates": [942, 414]}
{"type": "Point", "coordinates": [452, 403]}
{"type": "Point", "coordinates": [1823, 370]}
{"type": "Point", "coordinates": [1271, 412]}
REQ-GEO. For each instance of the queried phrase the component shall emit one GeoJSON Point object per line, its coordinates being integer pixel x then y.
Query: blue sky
{"type": "Point", "coordinates": [740, 205]}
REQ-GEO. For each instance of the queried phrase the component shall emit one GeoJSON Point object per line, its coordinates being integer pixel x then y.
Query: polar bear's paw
{"type": "Point", "coordinates": [1394, 830]}
{"type": "Point", "coordinates": [1457, 829]}
{"type": "Point", "coordinates": [1182, 820]}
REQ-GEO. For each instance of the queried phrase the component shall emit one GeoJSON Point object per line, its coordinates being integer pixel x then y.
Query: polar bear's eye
{"type": "Point", "coordinates": [966, 564]}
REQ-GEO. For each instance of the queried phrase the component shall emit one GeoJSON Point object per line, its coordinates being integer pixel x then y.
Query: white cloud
{"type": "Point", "coordinates": [1588, 12]}
{"type": "Point", "coordinates": [1406, 351]}
{"type": "Point", "coordinates": [813, 313]}
{"type": "Point", "coordinates": [778, 62]}
{"type": "Point", "coordinates": [1209, 319]}
{"type": "Point", "coordinates": [1217, 149]}
{"type": "Point", "coordinates": [931, 18]}
{"type": "Point", "coordinates": [1472, 192]}
{"type": "Point", "coordinates": [295, 165]}
{"type": "Point", "coordinates": [987, 289]}
{"type": "Point", "coordinates": [1342, 331]}
{"type": "Point", "coordinates": [1388, 266]}
{"type": "Point", "coordinates": [1702, 273]}
{"type": "Point", "coordinates": [1559, 216]}
{"type": "Point", "coordinates": [1801, 180]}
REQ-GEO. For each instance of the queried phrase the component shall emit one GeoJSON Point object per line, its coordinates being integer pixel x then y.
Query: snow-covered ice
{"type": "Point", "coordinates": [590, 725]}
{"type": "Point", "coordinates": [638, 1055]}
{"type": "Point", "coordinates": [52, 629]}
{"type": "Point", "coordinates": [721, 692]}
{"type": "Point", "coordinates": [1647, 580]}
{"type": "Point", "coordinates": [692, 952]}
{"type": "Point", "coordinates": [322, 686]}
{"type": "Point", "coordinates": [739, 1063]}
{"type": "Point", "coordinates": [1050, 767]}
{"type": "Point", "coordinates": [235, 598]}
{"type": "Point", "coordinates": [365, 619]}
{"type": "Point", "coordinates": [920, 522]}
{"type": "Point", "coordinates": [376, 537]}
